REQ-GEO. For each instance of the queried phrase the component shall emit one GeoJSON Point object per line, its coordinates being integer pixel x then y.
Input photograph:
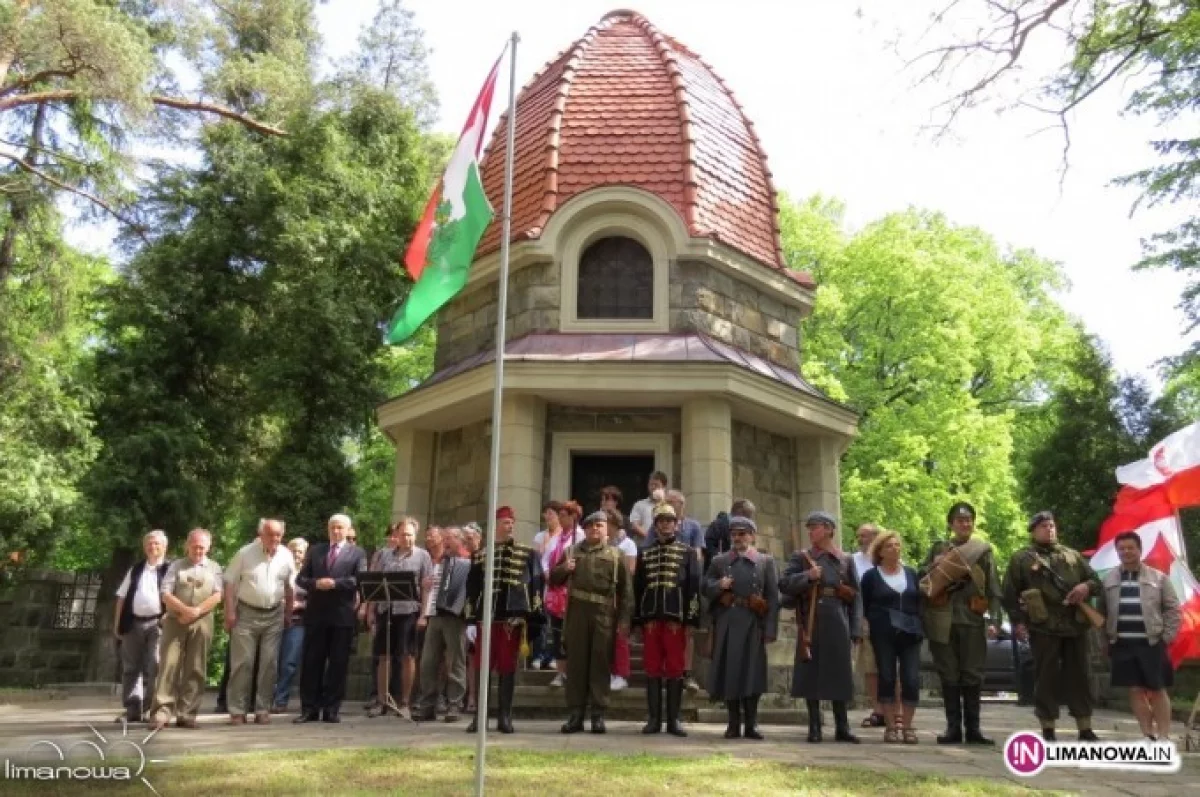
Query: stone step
{"type": "Point", "coordinates": [543, 702]}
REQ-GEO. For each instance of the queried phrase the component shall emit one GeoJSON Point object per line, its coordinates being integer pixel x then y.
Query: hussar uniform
{"type": "Point", "coordinates": [516, 599]}
{"type": "Point", "coordinates": [666, 589]}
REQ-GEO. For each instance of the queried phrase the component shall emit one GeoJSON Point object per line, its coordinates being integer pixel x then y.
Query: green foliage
{"type": "Point", "coordinates": [244, 344]}
{"type": "Point", "coordinates": [46, 309]}
{"type": "Point", "coordinates": [937, 338]}
{"type": "Point", "coordinates": [1070, 470]}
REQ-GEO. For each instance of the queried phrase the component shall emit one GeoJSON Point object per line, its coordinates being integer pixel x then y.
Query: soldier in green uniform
{"type": "Point", "coordinates": [958, 628]}
{"type": "Point", "coordinates": [1045, 591]}
{"type": "Point", "coordinates": [600, 597]}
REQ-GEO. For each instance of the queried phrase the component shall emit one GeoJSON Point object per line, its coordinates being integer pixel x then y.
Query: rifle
{"type": "Point", "coordinates": [806, 629]}
{"type": "Point", "coordinates": [1095, 618]}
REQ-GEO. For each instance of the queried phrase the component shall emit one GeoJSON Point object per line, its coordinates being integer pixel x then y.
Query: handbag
{"type": "Point", "coordinates": [556, 597]}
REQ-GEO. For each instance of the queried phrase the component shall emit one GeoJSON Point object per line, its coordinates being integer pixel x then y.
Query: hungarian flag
{"type": "Point", "coordinates": [442, 248]}
{"type": "Point", "coordinates": [1155, 490]}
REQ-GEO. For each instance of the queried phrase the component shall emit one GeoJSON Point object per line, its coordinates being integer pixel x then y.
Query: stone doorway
{"type": "Point", "coordinates": [590, 473]}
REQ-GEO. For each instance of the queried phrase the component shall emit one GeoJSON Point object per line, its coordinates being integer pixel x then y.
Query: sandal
{"type": "Point", "coordinates": [874, 721]}
{"type": "Point", "coordinates": [910, 736]}
{"type": "Point", "coordinates": [891, 736]}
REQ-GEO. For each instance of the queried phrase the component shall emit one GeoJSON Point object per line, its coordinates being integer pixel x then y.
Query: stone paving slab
{"type": "Point", "coordinates": [68, 720]}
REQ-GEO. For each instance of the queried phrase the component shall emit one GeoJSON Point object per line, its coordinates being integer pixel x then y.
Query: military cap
{"type": "Point", "coordinates": [739, 522]}
{"type": "Point", "coordinates": [1039, 519]}
{"type": "Point", "coordinates": [599, 516]}
{"type": "Point", "coordinates": [664, 510]}
{"type": "Point", "coordinates": [960, 509]}
{"type": "Point", "coordinates": [505, 513]}
{"type": "Point", "coordinates": [820, 516]}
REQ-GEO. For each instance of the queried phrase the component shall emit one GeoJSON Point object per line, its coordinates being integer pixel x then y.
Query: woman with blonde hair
{"type": "Point", "coordinates": [892, 604]}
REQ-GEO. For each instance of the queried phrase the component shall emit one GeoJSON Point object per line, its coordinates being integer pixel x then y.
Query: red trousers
{"type": "Point", "coordinates": [620, 664]}
{"type": "Point", "coordinates": [506, 648]}
{"type": "Point", "coordinates": [663, 648]}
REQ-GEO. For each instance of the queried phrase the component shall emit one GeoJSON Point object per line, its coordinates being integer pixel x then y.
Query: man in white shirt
{"type": "Point", "coordinates": [138, 626]}
{"type": "Point", "coordinates": [258, 603]}
{"type": "Point", "coordinates": [865, 663]}
{"type": "Point", "coordinates": [641, 517]}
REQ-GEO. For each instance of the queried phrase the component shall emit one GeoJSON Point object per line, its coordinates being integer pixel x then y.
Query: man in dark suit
{"type": "Point", "coordinates": [330, 577]}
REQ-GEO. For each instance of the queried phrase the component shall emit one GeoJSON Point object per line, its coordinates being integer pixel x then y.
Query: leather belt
{"type": "Point", "coordinates": [147, 618]}
{"type": "Point", "coordinates": [829, 592]}
{"type": "Point", "coordinates": [590, 597]}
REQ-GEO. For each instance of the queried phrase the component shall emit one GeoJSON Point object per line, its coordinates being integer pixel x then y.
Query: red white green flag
{"type": "Point", "coordinates": [443, 246]}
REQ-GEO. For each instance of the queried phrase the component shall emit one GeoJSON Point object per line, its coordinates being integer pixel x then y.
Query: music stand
{"type": "Point", "coordinates": [396, 585]}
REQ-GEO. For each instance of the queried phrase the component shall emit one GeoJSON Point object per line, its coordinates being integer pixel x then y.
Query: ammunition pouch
{"type": "Point", "coordinates": [758, 604]}
{"type": "Point", "coordinates": [978, 604]}
{"type": "Point", "coordinates": [846, 593]}
{"type": "Point", "coordinates": [1035, 606]}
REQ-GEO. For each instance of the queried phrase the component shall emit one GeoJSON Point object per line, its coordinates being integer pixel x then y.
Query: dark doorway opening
{"type": "Point", "coordinates": [590, 473]}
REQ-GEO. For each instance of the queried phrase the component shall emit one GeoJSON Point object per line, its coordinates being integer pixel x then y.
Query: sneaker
{"type": "Point", "coordinates": [617, 683]}
{"type": "Point", "coordinates": [560, 680]}
{"type": "Point", "coordinates": [535, 665]}
{"type": "Point", "coordinates": [691, 685]}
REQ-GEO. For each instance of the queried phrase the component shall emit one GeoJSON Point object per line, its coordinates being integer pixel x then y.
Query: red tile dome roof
{"type": "Point", "coordinates": [628, 105]}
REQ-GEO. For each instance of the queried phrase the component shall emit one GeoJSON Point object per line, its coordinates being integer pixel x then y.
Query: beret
{"type": "Point", "coordinates": [599, 516]}
{"type": "Point", "coordinates": [1039, 519]}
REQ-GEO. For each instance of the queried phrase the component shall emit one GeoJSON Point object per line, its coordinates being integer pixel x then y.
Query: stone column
{"type": "Point", "coordinates": [707, 457]}
{"type": "Point", "coordinates": [412, 491]}
{"type": "Point", "coordinates": [817, 460]}
{"type": "Point", "coordinates": [523, 460]}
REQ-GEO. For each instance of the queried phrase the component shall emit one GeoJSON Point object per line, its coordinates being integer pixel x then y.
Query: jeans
{"type": "Point", "coordinates": [290, 649]}
{"type": "Point", "coordinates": [888, 654]}
{"type": "Point", "coordinates": [543, 647]}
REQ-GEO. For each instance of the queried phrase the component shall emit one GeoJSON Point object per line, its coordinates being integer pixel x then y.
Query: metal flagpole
{"type": "Point", "coordinates": [481, 707]}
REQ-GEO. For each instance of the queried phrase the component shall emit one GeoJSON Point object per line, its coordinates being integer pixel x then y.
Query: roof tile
{"type": "Point", "coordinates": [627, 105]}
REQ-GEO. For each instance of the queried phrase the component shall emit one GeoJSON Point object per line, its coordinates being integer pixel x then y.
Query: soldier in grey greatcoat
{"type": "Point", "coordinates": [824, 650]}
{"type": "Point", "coordinates": [742, 587]}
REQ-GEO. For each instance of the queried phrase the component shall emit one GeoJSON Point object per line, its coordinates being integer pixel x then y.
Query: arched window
{"type": "Point", "coordinates": [616, 280]}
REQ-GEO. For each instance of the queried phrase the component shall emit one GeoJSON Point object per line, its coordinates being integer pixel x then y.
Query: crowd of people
{"type": "Point", "coordinates": [571, 599]}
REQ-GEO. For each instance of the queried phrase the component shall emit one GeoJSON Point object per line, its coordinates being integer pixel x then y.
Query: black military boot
{"type": "Point", "coordinates": [674, 704]}
{"type": "Point", "coordinates": [574, 723]}
{"type": "Point", "coordinates": [952, 696]}
{"type": "Point", "coordinates": [598, 722]}
{"type": "Point", "coordinates": [508, 688]}
{"type": "Point", "coordinates": [734, 729]}
{"type": "Point", "coordinates": [653, 705]}
{"type": "Point", "coordinates": [750, 716]}
{"type": "Point", "coordinates": [842, 724]}
{"type": "Point", "coordinates": [814, 720]}
{"type": "Point", "coordinates": [972, 701]}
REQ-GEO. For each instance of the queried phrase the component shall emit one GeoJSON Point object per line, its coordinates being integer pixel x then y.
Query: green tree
{"type": "Point", "coordinates": [936, 337]}
{"type": "Point", "coordinates": [1094, 420]}
{"type": "Point", "coordinates": [1147, 51]}
{"type": "Point", "coordinates": [46, 440]}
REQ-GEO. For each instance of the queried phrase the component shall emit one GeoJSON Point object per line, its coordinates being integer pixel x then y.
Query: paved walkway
{"type": "Point", "coordinates": [64, 721]}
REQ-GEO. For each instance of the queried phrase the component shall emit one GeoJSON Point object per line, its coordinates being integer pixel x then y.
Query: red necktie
{"type": "Point", "coordinates": [332, 557]}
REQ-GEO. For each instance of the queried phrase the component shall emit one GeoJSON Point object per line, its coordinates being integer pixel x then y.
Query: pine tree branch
{"type": "Point", "coordinates": [79, 192]}
{"type": "Point", "coordinates": [64, 95]}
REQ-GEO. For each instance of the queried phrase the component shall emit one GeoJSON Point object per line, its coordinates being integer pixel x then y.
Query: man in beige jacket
{"type": "Point", "coordinates": [1143, 619]}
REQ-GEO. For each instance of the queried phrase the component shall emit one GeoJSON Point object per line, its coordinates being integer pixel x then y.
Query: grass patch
{"type": "Point", "coordinates": [445, 771]}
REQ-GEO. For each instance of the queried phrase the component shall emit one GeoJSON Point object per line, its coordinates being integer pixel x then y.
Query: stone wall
{"type": "Point", "coordinates": [707, 300]}
{"type": "Point", "coordinates": [588, 419]}
{"type": "Point", "coordinates": [764, 471]}
{"type": "Point", "coordinates": [467, 325]}
{"type": "Point", "coordinates": [32, 651]}
{"type": "Point", "coordinates": [461, 474]}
